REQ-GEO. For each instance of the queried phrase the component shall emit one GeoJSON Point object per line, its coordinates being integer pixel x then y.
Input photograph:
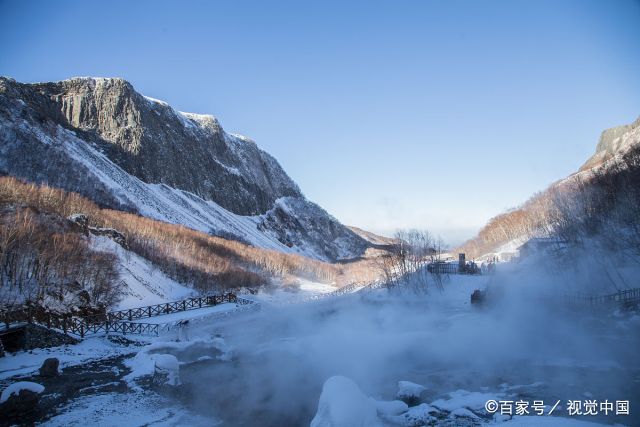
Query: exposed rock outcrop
{"type": "Point", "coordinates": [82, 221]}
{"type": "Point", "coordinates": [102, 139]}
{"type": "Point", "coordinates": [614, 141]}
{"type": "Point", "coordinates": [157, 144]}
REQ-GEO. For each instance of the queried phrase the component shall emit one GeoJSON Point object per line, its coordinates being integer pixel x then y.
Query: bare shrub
{"type": "Point", "coordinates": [206, 262]}
{"type": "Point", "coordinates": [406, 262]}
{"type": "Point", "coordinates": [43, 262]}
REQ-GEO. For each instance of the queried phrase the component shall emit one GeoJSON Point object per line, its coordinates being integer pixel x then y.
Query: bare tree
{"type": "Point", "coordinates": [406, 262]}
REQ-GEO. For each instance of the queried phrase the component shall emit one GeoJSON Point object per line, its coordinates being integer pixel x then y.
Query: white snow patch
{"type": "Point", "coordinates": [407, 389]}
{"type": "Point", "coordinates": [17, 387]}
{"type": "Point", "coordinates": [168, 363]}
{"type": "Point", "coordinates": [156, 101]}
{"type": "Point", "coordinates": [145, 283]}
{"type": "Point", "coordinates": [342, 404]}
{"type": "Point", "coordinates": [392, 407]}
{"type": "Point", "coordinates": [418, 415]}
{"type": "Point", "coordinates": [149, 358]}
{"type": "Point", "coordinates": [28, 362]}
{"type": "Point", "coordinates": [463, 412]}
{"type": "Point", "coordinates": [127, 409]}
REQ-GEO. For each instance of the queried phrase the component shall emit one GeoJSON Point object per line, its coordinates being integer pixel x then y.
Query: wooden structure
{"type": "Point", "coordinates": [122, 321]}
{"type": "Point", "coordinates": [626, 299]}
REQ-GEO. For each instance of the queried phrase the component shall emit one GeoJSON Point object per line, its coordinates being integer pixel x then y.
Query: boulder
{"type": "Point", "coordinates": [21, 406]}
{"type": "Point", "coordinates": [410, 392]}
{"type": "Point", "coordinates": [50, 367]}
{"type": "Point", "coordinates": [166, 370]}
{"type": "Point", "coordinates": [19, 403]}
{"type": "Point", "coordinates": [342, 404]}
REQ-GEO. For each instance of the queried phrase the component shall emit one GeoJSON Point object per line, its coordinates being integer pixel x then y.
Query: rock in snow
{"type": "Point", "coordinates": [409, 390]}
{"type": "Point", "coordinates": [50, 367]}
{"type": "Point", "coordinates": [394, 407]}
{"type": "Point", "coordinates": [167, 364]}
{"type": "Point", "coordinates": [342, 404]}
{"type": "Point", "coordinates": [419, 415]}
{"type": "Point", "coordinates": [17, 387]}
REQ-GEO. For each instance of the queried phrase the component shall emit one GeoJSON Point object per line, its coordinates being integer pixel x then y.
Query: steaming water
{"type": "Point", "coordinates": [520, 347]}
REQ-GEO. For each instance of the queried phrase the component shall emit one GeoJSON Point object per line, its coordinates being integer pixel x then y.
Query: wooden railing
{"type": "Point", "coordinates": [626, 298]}
{"type": "Point", "coordinates": [170, 307]}
{"type": "Point", "coordinates": [121, 321]}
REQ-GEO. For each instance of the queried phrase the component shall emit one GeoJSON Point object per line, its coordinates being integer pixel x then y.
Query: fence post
{"type": "Point", "coordinates": [82, 330]}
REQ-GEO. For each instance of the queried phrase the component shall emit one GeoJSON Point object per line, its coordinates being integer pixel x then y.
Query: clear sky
{"type": "Point", "coordinates": [429, 114]}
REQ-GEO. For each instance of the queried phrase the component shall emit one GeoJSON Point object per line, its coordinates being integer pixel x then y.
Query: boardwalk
{"type": "Point", "coordinates": [122, 321]}
{"type": "Point", "coordinates": [626, 299]}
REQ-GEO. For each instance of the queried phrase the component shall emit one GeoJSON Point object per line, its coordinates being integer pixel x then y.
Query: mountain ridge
{"type": "Point", "coordinates": [534, 218]}
{"type": "Point", "coordinates": [102, 139]}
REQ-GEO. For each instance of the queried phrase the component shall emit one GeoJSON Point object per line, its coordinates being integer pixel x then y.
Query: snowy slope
{"type": "Point", "coordinates": [100, 138]}
{"type": "Point", "coordinates": [144, 283]}
{"type": "Point", "coordinates": [162, 202]}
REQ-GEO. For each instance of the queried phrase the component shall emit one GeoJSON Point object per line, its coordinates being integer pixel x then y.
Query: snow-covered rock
{"type": "Point", "coordinates": [167, 364]}
{"type": "Point", "coordinates": [342, 404]}
{"type": "Point", "coordinates": [418, 415]}
{"type": "Point", "coordinates": [409, 390]}
{"type": "Point", "coordinates": [463, 412]}
{"type": "Point", "coordinates": [17, 387]}
{"type": "Point", "coordinates": [392, 407]}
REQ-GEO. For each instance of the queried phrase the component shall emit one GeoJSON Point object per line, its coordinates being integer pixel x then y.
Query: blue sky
{"type": "Point", "coordinates": [428, 114]}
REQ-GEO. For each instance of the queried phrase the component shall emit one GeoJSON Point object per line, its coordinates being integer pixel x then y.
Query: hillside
{"type": "Point", "coordinates": [604, 189]}
{"type": "Point", "coordinates": [47, 258]}
{"type": "Point", "coordinates": [100, 138]}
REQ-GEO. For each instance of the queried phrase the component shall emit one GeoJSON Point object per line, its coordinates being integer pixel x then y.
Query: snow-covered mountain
{"type": "Point", "coordinates": [614, 142]}
{"type": "Point", "coordinates": [102, 139]}
{"type": "Point", "coordinates": [615, 153]}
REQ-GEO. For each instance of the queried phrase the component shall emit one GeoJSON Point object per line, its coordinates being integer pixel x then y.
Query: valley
{"type": "Point", "coordinates": [112, 202]}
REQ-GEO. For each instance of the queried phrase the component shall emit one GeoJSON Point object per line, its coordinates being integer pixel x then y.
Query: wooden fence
{"type": "Point", "coordinates": [627, 298]}
{"type": "Point", "coordinates": [170, 307]}
{"type": "Point", "coordinates": [121, 321]}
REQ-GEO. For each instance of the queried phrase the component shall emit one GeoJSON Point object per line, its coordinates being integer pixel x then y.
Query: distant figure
{"type": "Point", "coordinates": [491, 267]}
{"type": "Point", "coordinates": [183, 330]}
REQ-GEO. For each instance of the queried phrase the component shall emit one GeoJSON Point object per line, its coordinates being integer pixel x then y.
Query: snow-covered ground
{"type": "Point", "coordinates": [165, 203]}
{"type": "Point", "coordinates": [90, 349]}
{"type": "Point", "coordinates": [196, 314]}
{"type": "Point", "coordinates": [137, 408]}
{"type": "Point", "coordinates": [145, 283]}
{"type": "Point", "coordinates": [270, 367]}
{"type": "Point", "coordinates": [301, 292]}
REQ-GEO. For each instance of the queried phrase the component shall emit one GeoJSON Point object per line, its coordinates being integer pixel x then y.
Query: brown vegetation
{"type": "Point", "coordinates": [191, 257]}
{"type": "Point", "coordinates": [602, 202]}
{"type": "Point", "coordinates": [42, 259]}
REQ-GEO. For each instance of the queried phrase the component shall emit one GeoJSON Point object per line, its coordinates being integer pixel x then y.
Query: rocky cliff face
{"type": "Point", "coordinates": [101, 138]}
{"type": "Point", "coordinates": [157, 144]}
{"type": "Point", "coordinates": [613, 142]}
